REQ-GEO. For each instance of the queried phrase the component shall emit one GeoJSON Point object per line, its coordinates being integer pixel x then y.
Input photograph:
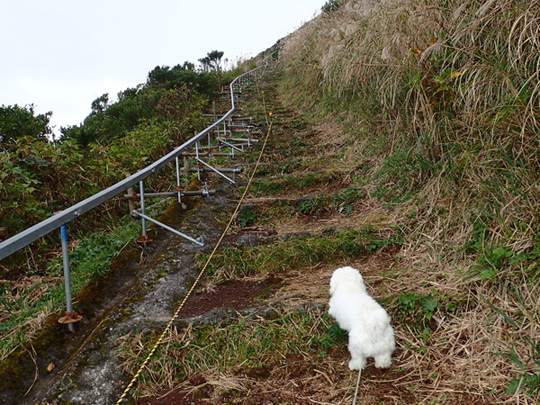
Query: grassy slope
{"type": "Point", "coordinates": [448, 337]}
{"type": "Point", "coordinates": [439, 102]}
{"type": "Point", "coordinates": [419, 133]}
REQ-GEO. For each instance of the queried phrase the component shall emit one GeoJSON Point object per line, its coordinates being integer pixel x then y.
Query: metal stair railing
{"type": "Point", "coordinates": [23, 239]}
{"type": "Point", "coordinates": [26, 237]}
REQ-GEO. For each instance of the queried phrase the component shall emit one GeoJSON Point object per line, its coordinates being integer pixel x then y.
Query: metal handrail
{"type": "Point", "coordinates": [24, 238]}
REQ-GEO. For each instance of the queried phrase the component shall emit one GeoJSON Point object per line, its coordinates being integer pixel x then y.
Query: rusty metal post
{"type": "Point", "coordinates": [198, 166]}
{"type": "Point", "coordinates": [187, 168]}
{"type": "Point", "coordinates": [131, 202]}
{"type": "Point", "coordinates": [143, 207]}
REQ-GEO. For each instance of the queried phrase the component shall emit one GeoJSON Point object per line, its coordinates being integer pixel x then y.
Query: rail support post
{"type": "Point", "coordinates": [179, 188]}
{"type": "Point", "coordinates": [67, 275]}
{"type": "Point", "coordinates": [131, 202]}
{"type": "Point", "coordinates": [144, 237]}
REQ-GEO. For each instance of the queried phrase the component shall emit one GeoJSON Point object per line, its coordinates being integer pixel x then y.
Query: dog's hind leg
{"type": "Point", "coordinates": [358, 357]}
{"type": "Point", "coordinates": [383, 360]}
{"type": "Point", "coordinates": [358, 362]}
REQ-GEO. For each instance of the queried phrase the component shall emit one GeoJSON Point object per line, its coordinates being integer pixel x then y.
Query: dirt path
{"type": "Point", "coordinates": [283, 207]}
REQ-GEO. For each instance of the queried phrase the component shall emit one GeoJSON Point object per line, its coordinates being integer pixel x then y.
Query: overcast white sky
{"type": "Point", "coordinates": [60, 55]}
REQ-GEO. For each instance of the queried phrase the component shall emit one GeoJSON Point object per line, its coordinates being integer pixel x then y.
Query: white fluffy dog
{"type": "Point", "coordinates": [368, 324]}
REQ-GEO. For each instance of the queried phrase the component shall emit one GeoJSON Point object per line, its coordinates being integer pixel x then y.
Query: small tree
{"type": "Point", "coordinates": [215, 60]}
{"type": "Point", "coordinates": [100, 104]}
{"type": "Point", "coordinates": [205, 62]}
{"type": "Point", "coordinates": [212, 62]}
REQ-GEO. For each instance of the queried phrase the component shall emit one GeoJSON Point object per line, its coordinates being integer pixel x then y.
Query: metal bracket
{"type": "Point", "coordinates": [199, 160]}
{"type": "Point", "coordinates": [199, 241]}
{"type": "Point", "coordinates": [217, 170]}
{"type": "Point", "coordinates": [231, 145]}
{"type": "Point", "coordinates": [250, 141]}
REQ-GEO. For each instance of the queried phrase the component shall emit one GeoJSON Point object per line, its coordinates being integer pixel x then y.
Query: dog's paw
{"type": "Point", "coordinates": [383, 361]}
{"type": "Point", "coordinates": [357, 364]}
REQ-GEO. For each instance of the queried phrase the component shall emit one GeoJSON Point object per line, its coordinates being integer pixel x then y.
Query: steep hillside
{"type": "Point", "coordinates": [439, 103]}
{"type": "Point", "coordinates": [257, 328]}
{"type": "Point", "coordinates": [405, 143]}
{"type": "Point", "coordinates": [441, 100]}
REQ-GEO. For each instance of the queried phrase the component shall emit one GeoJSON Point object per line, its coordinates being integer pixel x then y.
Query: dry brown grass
{"type": "Point", "coordinates": [366, 215]}
{"type": "Point", "coordinates": [27, 290]}
{"type": "Point", "coordinates": [463, 74]}
{"type": "Point", "coordinates": [455, 84]}
{"type": "Point", "coordinates": [467, 348]}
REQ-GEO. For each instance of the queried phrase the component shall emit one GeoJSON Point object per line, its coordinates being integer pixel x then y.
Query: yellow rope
{"type": "Point", "coordinates": [168, 327]}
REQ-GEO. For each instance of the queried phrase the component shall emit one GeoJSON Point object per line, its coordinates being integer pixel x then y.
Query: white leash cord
{"type": "Point", "coordinates": [357, 384]}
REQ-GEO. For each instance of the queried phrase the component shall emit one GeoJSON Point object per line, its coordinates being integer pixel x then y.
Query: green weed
{"type": "Point", "coordinates": [491, 261]}
{"type": "Point", "coordinates": [267, 187]}
{"type": "Point", "coordinates": [312, 207]}
{"type": "Point", "coordinates": [246, 217]}
{"type": "Point", "coordinates": [238, 261]}
{"type": "Point", "coordinates": [334, 337]}
{"type": "Point", "coordinates": [527, 379]}
{"type": "Point", "coordinates": [527, 358]}
{"type": "Point", "coordinates": [417, 310]}
{"type": "Point", "coordinates": [239, 346]}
